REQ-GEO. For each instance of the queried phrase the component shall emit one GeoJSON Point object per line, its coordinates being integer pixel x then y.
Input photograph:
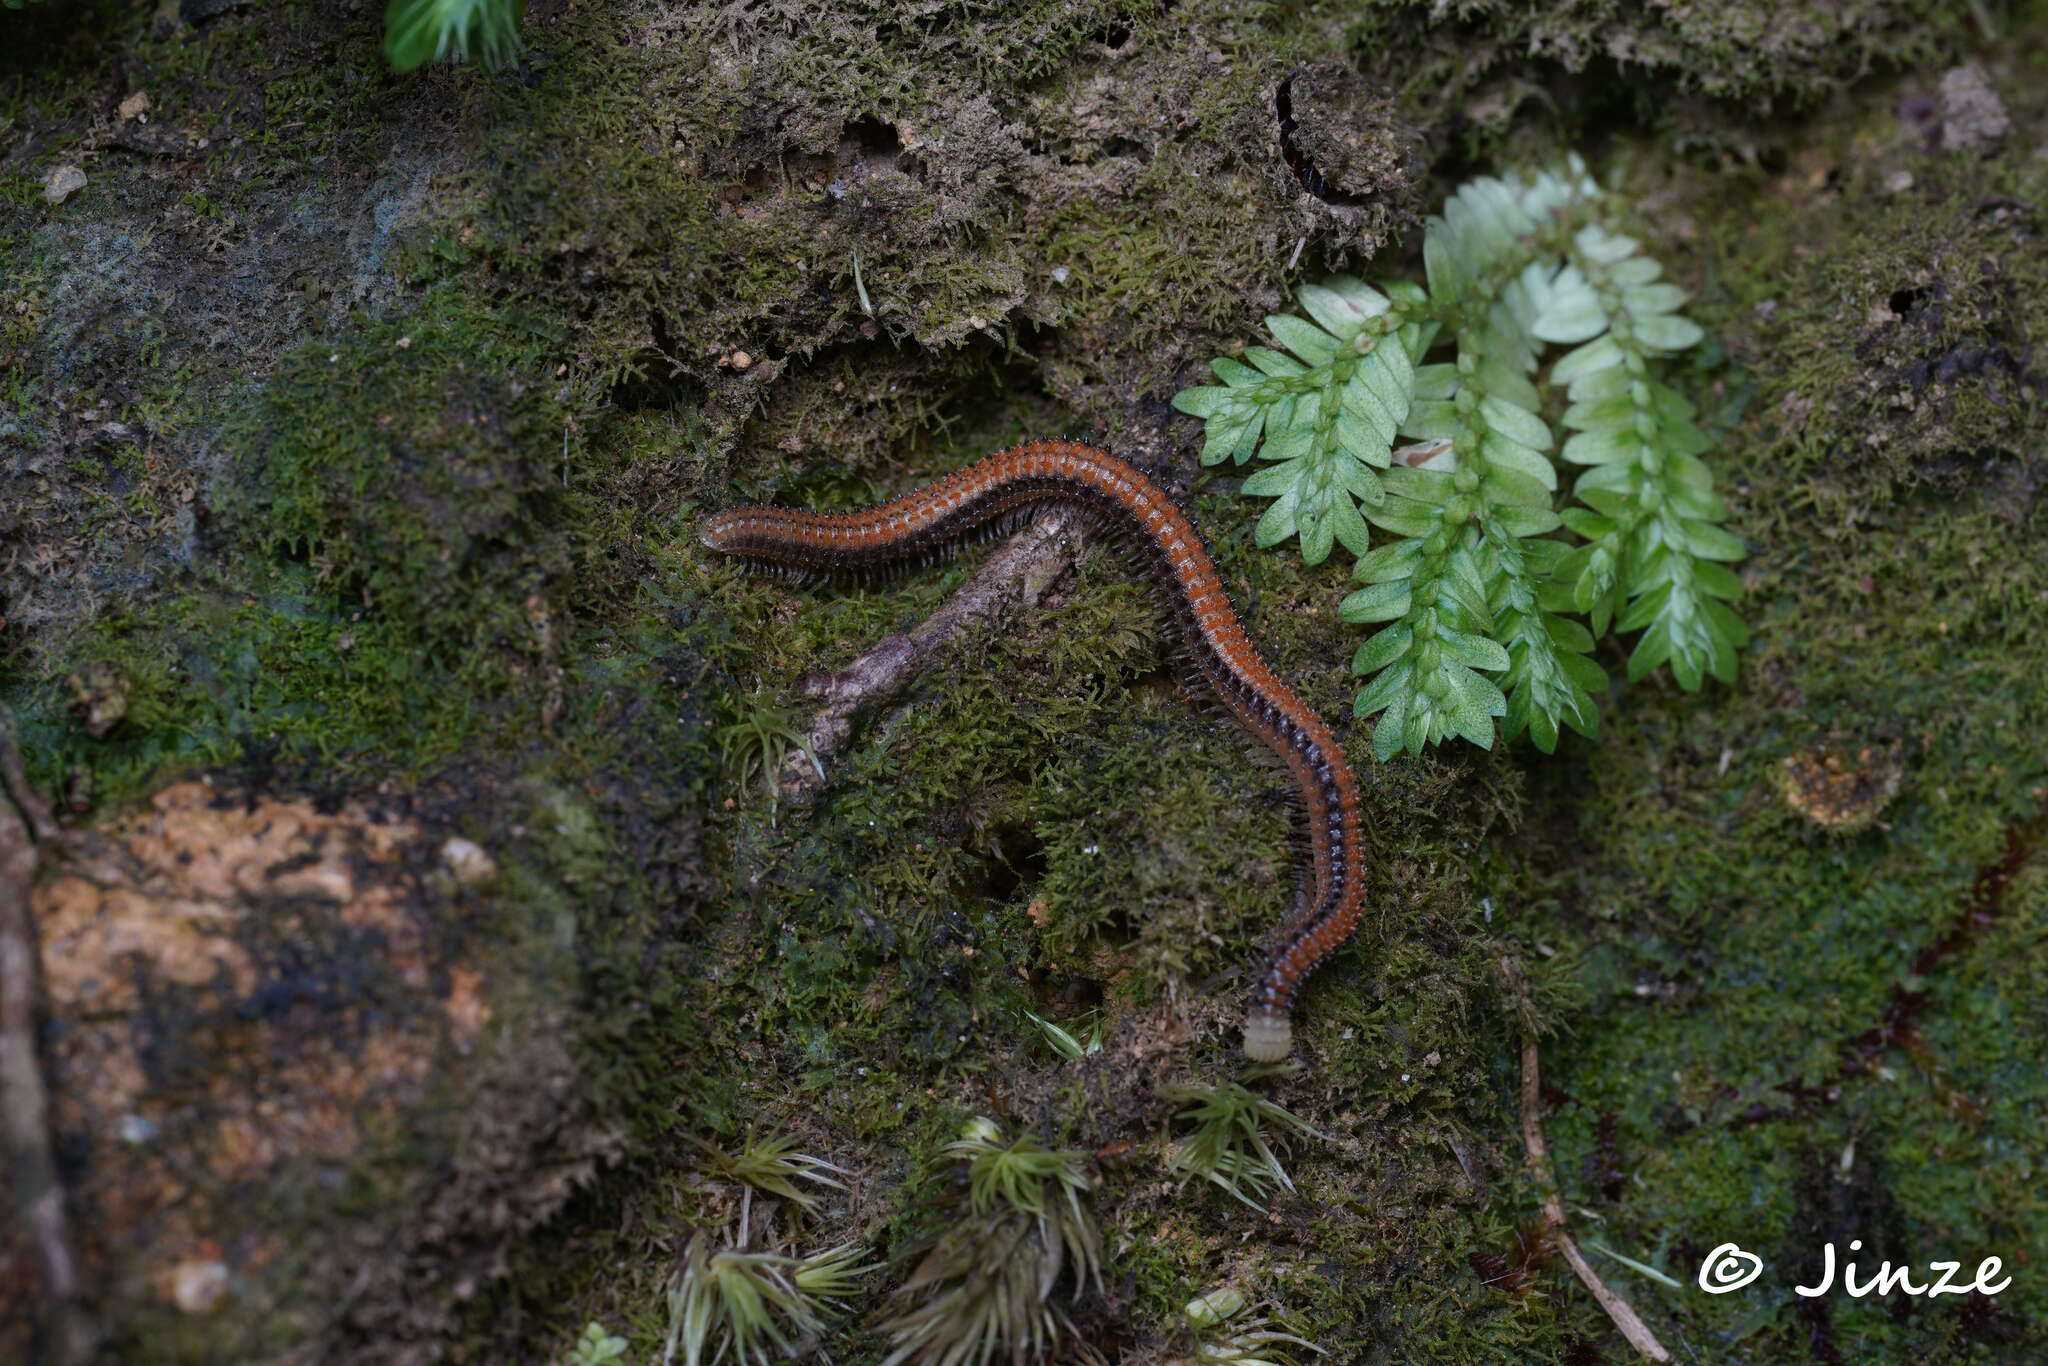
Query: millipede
{"type": "Point", "coordinates": [1010, 487]}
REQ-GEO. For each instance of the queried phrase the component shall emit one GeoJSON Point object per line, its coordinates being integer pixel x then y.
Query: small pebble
{"type": "Point", "coordinates": [63, 182]}
{"type": "Point", "coordinates": [471, 866]}
{"type": "Point", "coordinates": [197, 1287]}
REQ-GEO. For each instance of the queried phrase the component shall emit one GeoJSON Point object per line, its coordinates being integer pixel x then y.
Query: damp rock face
{"type": "Point", "coordinates": [303, 1112]}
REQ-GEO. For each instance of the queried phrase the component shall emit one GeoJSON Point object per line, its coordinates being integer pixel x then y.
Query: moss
{"type": "Point", "coordinates": [421, 464]}
{"type": "Point", "coordinates": [1909, 343]}
{"type": "Point", "coordinates": [1481, 67]}
{"type": "Point", "coordinates": [409, 527]}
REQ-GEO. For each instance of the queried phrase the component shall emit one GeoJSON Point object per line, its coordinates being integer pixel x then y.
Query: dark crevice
{"type": "Point", "coordinates": [1297, 161]}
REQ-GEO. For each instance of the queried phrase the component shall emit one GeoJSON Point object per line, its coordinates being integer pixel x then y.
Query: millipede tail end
{"type": "Point", "coordinates": [1267, 1038]}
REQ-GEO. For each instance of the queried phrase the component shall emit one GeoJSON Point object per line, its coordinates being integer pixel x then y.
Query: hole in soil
{"type": "Point", "coordinates": [1014, 857]}
{"type": "Point", "coordinates": [869, 139]}
{"type": "Point", "coordinates": [1062, 997]}
{"type": "Point", "coordinates": [1905, 302]}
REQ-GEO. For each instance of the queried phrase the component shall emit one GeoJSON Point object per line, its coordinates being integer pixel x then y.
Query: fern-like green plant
{"type": "Point", "coordinates": [1227, 1146]}
{"type": "Point", "coordinates": [757, 1306]}
{"type": "Point", "coordinates": [982, 1290]}
{"type": "Point", "coordinates": [774, 1166]}
{"type": "Point", "coordinates": [418, 31]}
{"type": "Point", "coordinates": [1478, 602]}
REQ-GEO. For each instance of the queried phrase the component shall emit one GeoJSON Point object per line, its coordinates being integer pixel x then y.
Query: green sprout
{"type": "Point", "coordinates": [596, 1347]}
{"type": "Point", "coordinates": [772, 1166]}
{"type": "Point", "coordinates": [417, 31]}
{"type": "Point", "coordinates": [1253, 1342]}
{"type": "Point", "coordinates": [1228, 1146]}
{"type": "Point", "coordinates": [983, 1290]}
{"type": "Point", "coordinates": [757, 1306]}
{"type": "Point", "coordinates": [1065, 1042]}
{"type": "Point", "coordinates": [758, 744]}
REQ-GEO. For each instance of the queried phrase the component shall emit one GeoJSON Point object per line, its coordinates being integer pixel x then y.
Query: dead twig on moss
{"type": "Point", "coordinates": [26, 828]}
{"type": "Point", "coordinates": [1624, 1315]}
{"type": "Point", "coordinates": [1017, 573]}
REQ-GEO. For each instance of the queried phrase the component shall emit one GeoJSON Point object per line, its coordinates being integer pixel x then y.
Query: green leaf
{"type": "Point", "coordinates": [1273, 363]}
{"type": "Point", "coordinates": [1600, 354]}
{"type": "Point", "coordinates": [1405, 517]}
{"type": "Point", "coordinates": [1475, 702]}
{"type": "Point", "coordinates": [1601, 246]}
{"type": "Point", "coordinates": [1667, 332]}
{"type": "Point", "coordinates": [1395, 560]}
{"type": "Point", "coordinates": [1359, 296]}
{"type": "Point", "coordinates": [1504, 454]}
{"type": "Point", "coordinates": [1475, 652]}
{"type": "Point", "coordinates": [1205, 400]}
{"type": "Point", "coordinates": [1567, 634]}
{"type": "Point", "coordinates": [1381, 602]}
{"type": "Point", "coordinates": [1226, 438]}
{"type": "Point", "coordinates": [1438, 381]}
{"type": "Point", "coordinates": [1278, 524]}
{"type": "Point", "coordinates": [1383, 649]}
{"type": "Point", "coordinates": [1391, 372]}
{"type": "Point", "coordinates": [1710, 542]}
{"type": "Point", "coordinates": [1338, 313]}
{"type": "Point", "coordinates": [1528, 521]}
{"type": "Point", "coordinates": [1636, 270]}
{"type": "Point", "coordinates": [1503, 485]}
{"type": "Point", "coordinates": [1436, 487]}
{"type": "Point", "coordinates": [1590, 525]}
{"type": "Point", "coordinates": [1392, 683]}
{"type": "Point", "coordinates": [1362, 402]}
{"type": "Point", "coordinates": [1653, 649]}
{"type": "Point", "coordinates": [1434, 421]}
{"type": "Point", "coordinates": [1272, 481]}
{"type": "Point", "coordinates": [1617, 412]}
{"type": "Point", "coordinates": [1645, 300]}
{"type": "Point", "coordinates": [1727, 625]}
{"type": "Point", "coordinates": [1303, 338]}
{"type": "Point", "coordinates": [1515, 423]}
{"type": "Point", "coordinates": [1390, 732]}
{"type": "Point", "coordinates": [1572, 313]}
{"type": "Point", "coordinates": [1645, 609]}
{"type": "Point", "coordinates": [1608, 446]}
{"type": "Point", "coordinates": [1235, 374]}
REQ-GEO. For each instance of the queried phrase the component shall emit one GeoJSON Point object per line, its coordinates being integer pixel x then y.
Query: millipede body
{"type": "Point", "coordinates": [1040, 474]}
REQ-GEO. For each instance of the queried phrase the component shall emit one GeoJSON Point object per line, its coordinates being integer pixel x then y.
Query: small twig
{"type": "Point", "coordinates": [1019, 572]}
{"type": "Point", "coordinates": [42, 825]}
{"type": "Point", "coordinates": [1624, 1315]}
{"type": "Point", "coordinates": [25, 822]}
